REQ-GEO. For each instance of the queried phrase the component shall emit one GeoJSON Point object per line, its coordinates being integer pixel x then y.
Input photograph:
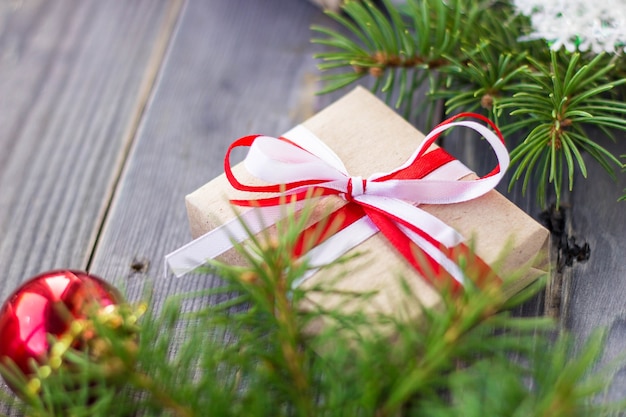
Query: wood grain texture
{"type": "Point", "coordinates": [72, 77]}
{"type": "Point", "coordinates": [597, 292]}
{"type": "Point", "coordinates": [235, 67]}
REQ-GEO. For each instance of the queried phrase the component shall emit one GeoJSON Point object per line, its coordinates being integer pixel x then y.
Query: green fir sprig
{"type": "Point", "coordinates": [248, 348]}
{"type": "Point", "coordinates": [468, 53]}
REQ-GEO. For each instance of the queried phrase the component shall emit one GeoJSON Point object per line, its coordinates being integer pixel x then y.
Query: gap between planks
{"type": "Point", "coordinates": [146, 91]}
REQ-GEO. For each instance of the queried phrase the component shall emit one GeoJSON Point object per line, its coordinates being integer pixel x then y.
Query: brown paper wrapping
{"type": "Point", "coordinates": [370, 137]}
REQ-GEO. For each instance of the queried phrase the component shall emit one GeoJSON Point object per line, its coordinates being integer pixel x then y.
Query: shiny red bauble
{"type": "Point", "coordinates": [43, 308]}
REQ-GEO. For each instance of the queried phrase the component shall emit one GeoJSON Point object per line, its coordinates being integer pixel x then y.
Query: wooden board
{"type": "Point", "coordinates": [596, 288]}
{"type": "Point", "coordinates": [74, 77]}
{"type": "Point", "coordinates": [234, 67]}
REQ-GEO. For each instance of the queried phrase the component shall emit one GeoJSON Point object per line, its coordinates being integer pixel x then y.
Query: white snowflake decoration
{"type": "Point", "coordinates": [596, 25]}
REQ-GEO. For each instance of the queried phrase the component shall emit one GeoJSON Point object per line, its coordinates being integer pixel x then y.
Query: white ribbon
{"type": "Point", "coordinates": [277, 161]}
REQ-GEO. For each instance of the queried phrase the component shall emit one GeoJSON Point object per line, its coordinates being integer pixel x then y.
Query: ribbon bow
{"type": "Point", "coordinates": [299, 165]}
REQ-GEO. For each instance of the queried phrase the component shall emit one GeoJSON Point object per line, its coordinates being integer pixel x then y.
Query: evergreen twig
{"type": "Point", "coordinates": [257, 355]}
{"type": "Point", "coordinates": [473, 59]}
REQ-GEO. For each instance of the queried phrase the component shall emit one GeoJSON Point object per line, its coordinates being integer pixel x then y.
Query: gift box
{"type": "Point", "coordinates": [370, 137]}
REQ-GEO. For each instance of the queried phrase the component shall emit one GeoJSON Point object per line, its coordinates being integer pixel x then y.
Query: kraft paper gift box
{"type": "Point", "coordinates": [370, 137]}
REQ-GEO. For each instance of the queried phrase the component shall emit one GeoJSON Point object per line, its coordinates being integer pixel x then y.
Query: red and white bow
{"type": "Point", "coordinates": [299, 165]}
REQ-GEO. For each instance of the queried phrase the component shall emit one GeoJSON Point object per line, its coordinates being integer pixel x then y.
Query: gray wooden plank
{"type": "Point", "coordinates": [235, 67]}
{"type": "Point", "coordinates": [73, 78]}
{"type": "Point", "coordinates": [597, 289]}
{"type": "Point", "coordinates": [73, 75]}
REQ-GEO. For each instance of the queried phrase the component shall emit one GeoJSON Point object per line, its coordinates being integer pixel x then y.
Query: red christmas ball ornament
{"type": "Point", "coordinates": [43, 309]}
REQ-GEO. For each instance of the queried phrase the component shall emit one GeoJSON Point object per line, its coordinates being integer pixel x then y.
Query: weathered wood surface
{"type": "Point", "coordinates": [74, 77]}
{"type": "Point", "coordinates": [234, 67]}
{"type": "Point", "coordinates": [595, 294]}
{"type": "Point", "coordinates": [110, 112]}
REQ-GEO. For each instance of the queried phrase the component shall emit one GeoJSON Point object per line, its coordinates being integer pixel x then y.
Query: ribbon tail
{"type": "Point", "coordinates": [449, 258]}
{"type": "Point", "coordinates": [221, 239]}
{"type": "Point", "coordinates": [421, 260]}
{"type": "Point", "coordinates": [327, 240]}
{"type": "Point", "coordinates": [439, 254]}
{"type": "Point", "coordinates": [479, 272]}
{"type": "Point", "coordinates": [334, 224]}
{"type": "Point", "coordinates": [336, 246]}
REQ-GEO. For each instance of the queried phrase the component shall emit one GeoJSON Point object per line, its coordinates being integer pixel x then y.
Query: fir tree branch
{"type": "Point", "coordinates": [144, 382]}
{"type": "Point", "coordinates": [554, 103]}
{"type": "Point", "coordinates": [471, 56]}
{"type": "Point", "coordinates": [258, 356]}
